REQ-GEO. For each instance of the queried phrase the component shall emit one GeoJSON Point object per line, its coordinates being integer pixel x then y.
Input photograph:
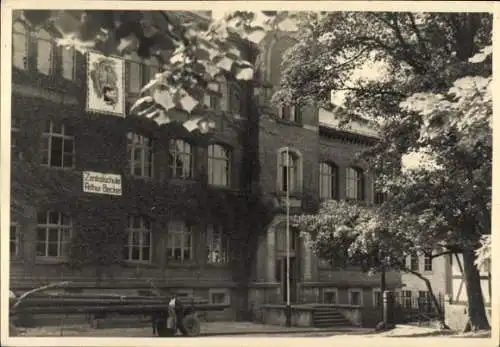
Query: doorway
{"type": "Point", "coordinates": [281, 271]}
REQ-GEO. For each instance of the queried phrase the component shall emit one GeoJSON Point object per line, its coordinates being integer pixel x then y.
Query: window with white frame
{"type": "Point", "coordinates": [15, 240]}
{"type": "Point", "coordinates": [68, 62]}
{"type": "Point", "coordinates": [20, 44]}
{"type": "Point", "coordinates": [179, 241]}
{"type": "Point", "coordinates": [219, 296]}
{"type": "Point", "coordinates": [53, 234]}
{"type": "Point", "coordinates": [212, 97]}
{"type": "Point", "coordinates": [330, 296]}
{"type": "Point", "coordinates": [289, 172]}
{"type": "Point", "coordinates": [44, 52]}
{"type": "Point", "coordinates": [354, 184]}
{"type": "Point", "coordinates": [355, 297]}
{"type": "Point", "coordinates": [138, 245]}
{"type": "Point", "coordinates": [219, 165]}
{"type": "Point", "coordinates": [377, 297]}
{"type": "Point", "coordinates": [427, 262]}
{"type": "Point", "coordinates": [140, 155]}
{"type": "Point", "coordinates": [327, 181]}
{"type": "Point", "coordinates": [180, 159]}
{"type": "Point", "coordinates": [217, 245]}
{"type": "Point", "coordinates": [406, 299]}
{"type": "Point", "coordinates": [57, 145]}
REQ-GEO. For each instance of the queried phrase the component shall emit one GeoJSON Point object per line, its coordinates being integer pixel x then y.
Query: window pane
{"type": "Point", "coordinates": [56, 151]}
{"type": "Point", "coordinates": [134, 77]}
{"type": "Point", "coordinates": [68, 62]}
{"type": "Point", "coordinates": [145, 253]}
{"type": "Point", "coordinates": [41, 249]}
{"type": "Point", "coordinates": [44, 58]}
{"type": "Point", "coordinates": [19, 48]}
{"type": "Point", "coordinates": [41, 217]}
{"type": "Point", "coordinates": [53, 250]}
{"type": "Point", "coordinates": [53, 218]}
{"type": "Point", "coordinates": [135, 253]}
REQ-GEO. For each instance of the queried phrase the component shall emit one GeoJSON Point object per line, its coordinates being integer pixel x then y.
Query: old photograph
{"type": "Point", "coordinates": [247, 173]}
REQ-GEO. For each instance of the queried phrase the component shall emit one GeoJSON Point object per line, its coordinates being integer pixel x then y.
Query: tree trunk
{"type": "Point", "coordinates": [476, 310]}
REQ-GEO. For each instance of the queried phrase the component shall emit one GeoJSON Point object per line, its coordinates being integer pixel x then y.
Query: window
{"type": "Point", "coordinates": [217, 245]}
{"type": "Point", "coordinates": [180, 159]}
{"type": "Point", "coordinates": [14, 137]}
{"type": "Point", "coordinates": [354, 184]}
{"type": "Point", "coordinates": [281, 239]}
{"type": "Point", "coordinates": [134, 77]}
{"type": "Point", "coordinates": [44, 52]}
{"type": "Point", "coordinates": [355, 297]}
{"type": "Point", "coordinates": [219, 163]}
{"type": "Point", "coordinates": [53, 234]}
{"type": "Point", "coordinates": [327, 181]}
{"type": "Point", "coordinates": [234, 99]}
{"type": "Point", "coordinates": [406, 302]}
{"type": "Point", "coordinates": [152, 68]}
{"type": "Point", "coordinates": [330, 296]}
{"type": "Point", "coordinates": [68, 62]}
{"type": "Point", "coordinates": [140, 149]}
{"type": "Point", "coordinates": [289, 166]}
{"type": "Point", "coordinates": [138, 245]}
{"type": "Point", "coordinates": [219, 296]}
{"type": "Point", "coordinates": [324, 263]}
{"type": "Point", "coordinates": [212, 97]}
{"type": "Point", "coordinates": [179, 242]}
{"type": "Point", "coordinates": [58, 145]}
{"type": "Point", "coordinates": [290, 114]}
{"type": "Point", "coordinates": [414, 262]}
{"type": "Point", "coordinates": [380, 198]}
{"type": "Point", "coordinates": [15, 240]}
{"type": "Point", "coordinates": [20, 46]}
{"type": "Point", "coordinates": [427, 262]}
{"type": "Point", "coordinates": [377, 297]}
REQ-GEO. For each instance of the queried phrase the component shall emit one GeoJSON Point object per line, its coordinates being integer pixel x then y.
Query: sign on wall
{"type": "Point", "coordinates": [105, 85]}
{"type": "Point", "coordinates": [101, 183]}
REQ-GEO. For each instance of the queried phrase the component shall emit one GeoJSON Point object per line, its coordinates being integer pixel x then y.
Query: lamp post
{"type": "Point", "coordinates": [288, 307]}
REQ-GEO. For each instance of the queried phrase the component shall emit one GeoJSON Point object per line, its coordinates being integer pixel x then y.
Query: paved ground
{"type": "Point", "coordinates": [242, 329]}
{"type": "Point", "coordinates": [207, 329]}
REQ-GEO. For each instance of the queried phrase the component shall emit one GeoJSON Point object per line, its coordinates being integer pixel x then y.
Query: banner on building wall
{"type": "Point", "coordinates": [101, 183]}
{"type": "Point", "coordinates": [105, 84]}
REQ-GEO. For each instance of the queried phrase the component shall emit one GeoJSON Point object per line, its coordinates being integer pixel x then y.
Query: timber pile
{"type": "Point", "coordinates": [105, 303]}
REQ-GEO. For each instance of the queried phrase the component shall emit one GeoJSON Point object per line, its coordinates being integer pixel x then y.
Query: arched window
{"type": "Point", "coordinates": [219, 165]}
{"type": "Point", "coordinates": [354, 184]}
{"type": "Point", "coordinates": [328, 181]}
{"type": "Point", "coordinates": [289, 171]}
{"type": "Point", "coordinates": [44, 52]}
{"type": "Point", "coordinates": [180, 159]}
{"type": "Point", "coordinates": [20, 46]}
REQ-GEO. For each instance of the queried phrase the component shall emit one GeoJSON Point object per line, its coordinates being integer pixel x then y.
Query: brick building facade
{"type": "Point", "coordinates": [182, 195]}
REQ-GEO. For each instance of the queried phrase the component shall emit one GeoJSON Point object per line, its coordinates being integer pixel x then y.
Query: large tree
{"type": "Point", "coordinates": [432, 100]}
{"type": "Point", "coordinates": [370, 238]}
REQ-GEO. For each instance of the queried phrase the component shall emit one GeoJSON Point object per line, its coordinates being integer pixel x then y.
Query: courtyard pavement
{"type": "Point", "coordinates": [207, 329]}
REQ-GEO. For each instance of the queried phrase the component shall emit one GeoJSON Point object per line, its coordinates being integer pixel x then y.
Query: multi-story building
{"type": "Point", "coordinates": [170, 204]}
